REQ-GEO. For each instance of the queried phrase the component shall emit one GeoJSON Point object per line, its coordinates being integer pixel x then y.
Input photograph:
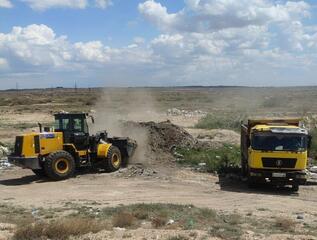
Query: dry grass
{"type": "Point", "coordinates": [159, 221]}
{"type": "Point", "coordinates": [285, 224]}
{"type": "Point", "coordinates": [60, 229]}
{"type": "Point", "coordinates": [141, 214]}
{"type": "Point", "coordinates": [123, 220]}
{"type": "Point", "coordinates": [178, 237]}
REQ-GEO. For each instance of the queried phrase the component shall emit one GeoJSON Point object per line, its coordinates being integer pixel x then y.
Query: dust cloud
{"type": "Point", "coordinates": [116, 107]}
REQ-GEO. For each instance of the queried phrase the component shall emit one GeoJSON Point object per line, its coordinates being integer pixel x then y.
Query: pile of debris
{"type": "Point", "coordinates": [185, 113]}
{"type": "Point", "coordinates": [136, 170]}
{"type": "Point", "coordinates": [4, 151]}
{"type": "Point", "coordinates": [165, 136]}
{"type": "Point", "coordinates": [312, 173]}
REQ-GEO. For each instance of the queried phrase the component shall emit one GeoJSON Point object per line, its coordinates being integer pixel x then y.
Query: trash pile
{"type": "Point", "coordinates": [4, 151]}
{"type": "Point", "coordinates": [185, 113]}
{"type": "Point", "coordinates": [136, 170]}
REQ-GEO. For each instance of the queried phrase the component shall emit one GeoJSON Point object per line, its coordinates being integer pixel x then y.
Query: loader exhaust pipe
{"type": "Point", "coordinates": [40, 126]}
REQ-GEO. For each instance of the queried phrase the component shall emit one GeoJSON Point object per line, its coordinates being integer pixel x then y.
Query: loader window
{"type": "Point", "coordinates": [78, 125]}
{"type": "Point", "coordinates": [62, 124]}
{"type": "Point", "coordinates": [279, 142]}
{"type": "Point", "coordinates": [65, 123]}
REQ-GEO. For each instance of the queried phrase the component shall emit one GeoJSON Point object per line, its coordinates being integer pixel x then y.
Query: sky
{"type": "Point", "coordinates": [52, 43]}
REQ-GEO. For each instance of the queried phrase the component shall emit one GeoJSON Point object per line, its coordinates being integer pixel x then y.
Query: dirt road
{"type": "Point", "coordinates": [183, 186]}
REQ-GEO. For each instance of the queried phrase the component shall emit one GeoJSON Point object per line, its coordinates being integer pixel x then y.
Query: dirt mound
{"type": "Point", "coordinates": [162, 138]}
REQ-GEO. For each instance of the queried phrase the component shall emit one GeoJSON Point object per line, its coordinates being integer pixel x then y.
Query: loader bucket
{"type": "Point", "coordinates": [127, 146]}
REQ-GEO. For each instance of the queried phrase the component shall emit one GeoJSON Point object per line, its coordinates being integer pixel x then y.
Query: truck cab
{"type": "Point", "coordinates": [274, 151]}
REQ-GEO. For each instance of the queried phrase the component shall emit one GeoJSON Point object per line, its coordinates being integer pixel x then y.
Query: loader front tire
{"type": "Point", "coordinates": [59, 165]}
{"type": "Point", "coordinates": [113, 159]}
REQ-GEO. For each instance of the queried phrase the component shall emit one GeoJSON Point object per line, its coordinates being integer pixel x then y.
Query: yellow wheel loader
{"type": "Point", "coordinates": [57, 154]}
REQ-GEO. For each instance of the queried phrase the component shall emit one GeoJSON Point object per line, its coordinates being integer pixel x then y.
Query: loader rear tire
{"type": "Point", "coordinates": [59, 165]}
{"type": "Point", "coordinates": [39, 173]}
{"type": "Point", "coordinates": [113, 159]}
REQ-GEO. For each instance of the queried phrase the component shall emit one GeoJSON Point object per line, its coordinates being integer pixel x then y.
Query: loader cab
{"type": "Point", "coordinates": [74, 127]}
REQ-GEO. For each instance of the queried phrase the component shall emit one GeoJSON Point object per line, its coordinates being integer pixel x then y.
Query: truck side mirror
{"type": "Point", "coordinates": [309, 141]}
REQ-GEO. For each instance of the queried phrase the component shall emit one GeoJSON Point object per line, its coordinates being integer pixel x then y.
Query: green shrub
{"type": "Point", "coordinates": [220, 122]}
{"type": "Point", "coordinates": [313, 148]}
{"type": "Point", "coordinates": [216, 159]}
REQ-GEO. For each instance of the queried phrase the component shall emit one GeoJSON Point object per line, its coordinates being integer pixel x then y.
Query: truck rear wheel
{"type": "Point", "coordinates": [113, 159]}
{"type": "Point", "coordinates": [59, 165]}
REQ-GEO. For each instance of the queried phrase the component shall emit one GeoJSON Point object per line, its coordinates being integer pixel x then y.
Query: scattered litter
{"type": "Point", "coordinates": [136, 170]}
{"type": "Point", "coordinates": [170, 222]}
{"type": "Point", "coordinates": [119, 229]}
{"type": "Point", "coordinates": [313, 169]}
{"type": "Point", "coordinates": [4, 151]}
{"type": "Point", "coordinates": [4, 164]}
{"type": "Point", "coordinates": [185, 113]}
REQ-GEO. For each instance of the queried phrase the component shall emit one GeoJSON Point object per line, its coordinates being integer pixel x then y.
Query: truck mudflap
{"type": "Point", "coordinates": [25, 162]}
{"type": "Point", "coordinates": [278, 177]}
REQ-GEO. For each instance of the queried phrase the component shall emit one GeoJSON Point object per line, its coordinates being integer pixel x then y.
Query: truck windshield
{"type": "Point", "coordinates": [279, 142]}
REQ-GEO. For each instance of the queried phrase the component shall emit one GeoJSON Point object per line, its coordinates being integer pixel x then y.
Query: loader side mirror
{"type": "Point", "coordinates": [92, 119]}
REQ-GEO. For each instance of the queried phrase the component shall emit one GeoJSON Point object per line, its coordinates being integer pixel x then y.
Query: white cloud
{"type": "Point", "coordinates": [76, 4]}
{"type": "Point", "coordinates": [46, 4]}
{"type": "Point", "coordinates": [103, 3]}
{"type": "Point", "coordinates": [212, 15]}
{"type": "Point", "coordinates": [5, 4]}
{"type": "Point", "coordinates": [36, 47]}
{"type": "Point", "coordinates": [92, 51]}
{"type": "Point", "coordinates": [4, 65]}
{"type": "Point", "coordinates": [219, 39]}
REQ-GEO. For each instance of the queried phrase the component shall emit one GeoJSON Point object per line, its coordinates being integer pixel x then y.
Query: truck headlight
{"type": "Point", "coordinates": [253, 174]}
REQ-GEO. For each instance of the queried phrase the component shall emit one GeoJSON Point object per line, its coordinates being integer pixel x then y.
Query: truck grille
{"type": "Point", "coordinates": [18, 146]}
{"type": "Point", "coordinates": [279, 162]}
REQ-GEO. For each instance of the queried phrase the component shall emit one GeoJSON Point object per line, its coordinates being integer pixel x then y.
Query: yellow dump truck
{"type": "Point", "coordinates": [274, 151]}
